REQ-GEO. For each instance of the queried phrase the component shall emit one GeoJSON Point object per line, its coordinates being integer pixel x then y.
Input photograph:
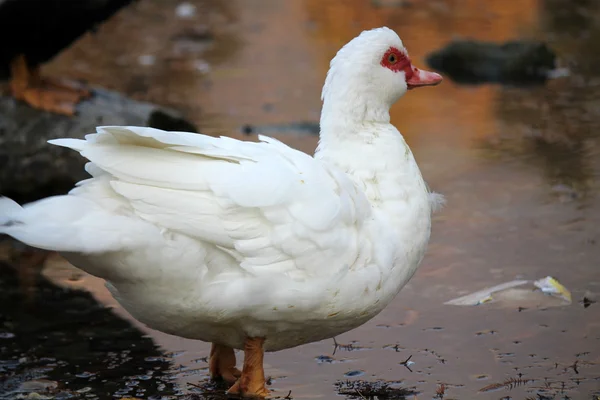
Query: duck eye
{"type": "Point", "coordinates": [392, 58]}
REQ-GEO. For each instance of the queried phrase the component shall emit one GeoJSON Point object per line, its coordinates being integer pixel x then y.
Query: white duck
{"type": "Point", "coordinates": [254, 246]}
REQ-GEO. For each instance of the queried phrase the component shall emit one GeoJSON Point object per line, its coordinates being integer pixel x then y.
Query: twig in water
{"type": "Point", "coordinates": [336, 345]}
{"type": "Point", "coordinates": [507, 384]}
{"type": "Point", "coordinates": [405, 363]}
{"type": "Point", "coordinates": [574, 366]}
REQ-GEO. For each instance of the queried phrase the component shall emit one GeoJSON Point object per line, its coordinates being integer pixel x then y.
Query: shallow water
{"type": "Point", "coordinates": [519, 168]}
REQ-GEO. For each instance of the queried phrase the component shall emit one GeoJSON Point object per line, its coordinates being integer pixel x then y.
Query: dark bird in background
{"type": "Point", "coordinates": [32, 32]}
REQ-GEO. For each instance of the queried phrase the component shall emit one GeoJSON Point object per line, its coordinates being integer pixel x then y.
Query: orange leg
{"type": "Point", "coordinates": [222, 363]}
{"type": "Point", "coordinates": [252, 381]}
{"type": "Point", "coordinates": [43, 93]}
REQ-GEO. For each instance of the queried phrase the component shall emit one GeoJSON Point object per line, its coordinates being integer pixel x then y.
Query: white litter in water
{"type": "Point", "coordinates": [147, 59]}
{"type": "Point", "coordinates": [558, 73]}
{"type": "Point", "coordinates": [485, 295]}
{"type": "Point", "coordinates": [551, 286]}
{"type": "Point", "coordinates": [547, 285]}
{"type": "Point", "coordinates": [185, 10]}
{"type": "Point", "coordinates": [202, 66]}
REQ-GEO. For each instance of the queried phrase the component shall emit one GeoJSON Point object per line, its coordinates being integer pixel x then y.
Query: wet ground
{"type": "Point", "coordinates": [519, 167]}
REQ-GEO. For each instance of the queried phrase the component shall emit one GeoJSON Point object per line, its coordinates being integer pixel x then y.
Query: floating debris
{"type": "Point", "coordinates": [147, 60]}
{"type": "Point", "coordinates": [440, 391]}
{"type": "Point", "coordinates": [185, 10]}
{"type": "Point", "coordinates": [508, 384]}
{"type": "Point", "coordinates": [202, 66]}
{"type": "Point", "coordinates": [506, 291]}
{"type": "Point", "coordinates": [347, 347]}
{"type": "Point", "coordinates": [373, 390]}
{"type": "Point", "coordinates": [586, 302]}
{"type": "Point", "coordinates": [551, 286]}
{"type": "Point", "coordinates": [485, 295]}
{"type": "Point", "coordinates": [407, 363]}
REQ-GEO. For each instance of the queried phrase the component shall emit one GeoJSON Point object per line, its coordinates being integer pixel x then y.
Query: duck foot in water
{"type": "Point", "coordinates": [222, 363]}
{"type": "Point", "coordinates": [252, 381]}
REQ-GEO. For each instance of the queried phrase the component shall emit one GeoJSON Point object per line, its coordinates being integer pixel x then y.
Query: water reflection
{"type": "Point", "coordinates": [65, 345]}
{"type": "Point", "coordinates": [555, 128]}
{"type": "Point", "coordinates": [150, 53]}
{"type": "Point", "coordinates": [424, 26]}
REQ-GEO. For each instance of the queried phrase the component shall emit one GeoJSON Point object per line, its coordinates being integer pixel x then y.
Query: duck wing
{"type": "Point", "coordinates": [273, 208]}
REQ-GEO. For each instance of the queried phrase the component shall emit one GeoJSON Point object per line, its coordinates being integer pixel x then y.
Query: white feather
{"type": "Point", "coordinates": [437, 200]}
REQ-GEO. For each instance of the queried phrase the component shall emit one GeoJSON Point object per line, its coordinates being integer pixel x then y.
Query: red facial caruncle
{"type": "Point", "coordinates": [396, 61]}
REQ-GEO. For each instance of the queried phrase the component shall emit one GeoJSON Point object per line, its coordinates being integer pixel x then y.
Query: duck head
{"type": "Point", "coordinates": [371, 73]}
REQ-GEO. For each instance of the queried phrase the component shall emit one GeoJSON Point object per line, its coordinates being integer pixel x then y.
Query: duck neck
{"type": "Point", "coordinates": [345, 106]}
{"type": "Point", "coordinates": [372, 152]}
